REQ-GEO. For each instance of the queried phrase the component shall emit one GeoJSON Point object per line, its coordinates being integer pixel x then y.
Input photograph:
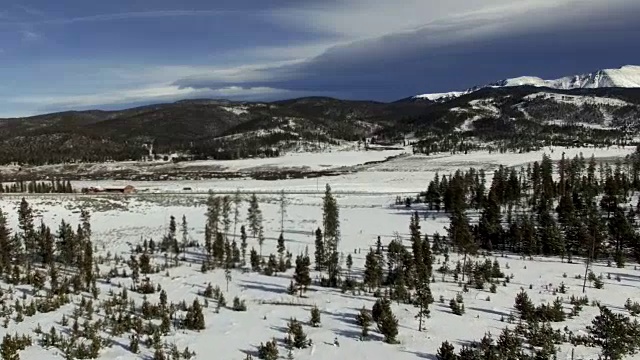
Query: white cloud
{"type": "Point", "coordinates": [159, 92]}
{"type": "Point", "coordinates": [360, 19]}
{"type": "Point", "coordinates": [28, 35]}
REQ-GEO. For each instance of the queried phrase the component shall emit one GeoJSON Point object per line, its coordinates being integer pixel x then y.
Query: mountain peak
{"type": "Point", "coordinates": [627, 76]}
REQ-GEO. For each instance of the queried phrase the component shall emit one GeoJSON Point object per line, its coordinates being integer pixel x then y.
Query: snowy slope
{"type": "Point", "coordinates": [627, 76]}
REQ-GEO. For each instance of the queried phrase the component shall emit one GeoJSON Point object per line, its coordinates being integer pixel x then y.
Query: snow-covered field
{"type": "Point", "coordinates": [335, 157]}
{"type": "Point", "coordinates": [120, 222]}
{"type": "Point", "coordinates": [403, 174]}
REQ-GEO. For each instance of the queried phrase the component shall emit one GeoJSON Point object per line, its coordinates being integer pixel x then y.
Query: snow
{"type": "Point", "coordinates": [442, 96]}
{"type": "Point", "coordinates": [578, 99]}
{"type": "Point", "coordinates": [581, 124]}
{"type": "Point", "coordinates": [334, 157]}
{"type": "Point", "coordinates": [404, 174]}
{"type": "Point", "coordinates": [627, 76]}
{"type": "Point", "coordinates": [485, 105]}
{"type": "Point", "coordinates": [238, 110]}
{"type": "Point", "coordinates": [467, 125]}
{"type": "Point", "coordinates": [119, 221]}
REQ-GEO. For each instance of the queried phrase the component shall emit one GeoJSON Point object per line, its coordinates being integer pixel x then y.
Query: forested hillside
{"type": "Point", "coordinates": [516, 118]}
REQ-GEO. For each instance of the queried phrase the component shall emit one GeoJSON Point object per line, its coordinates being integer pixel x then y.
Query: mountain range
{"type": "Point", "coordinates": [625, 77]}
{"type": "Point", "coordinates": [599, 108]}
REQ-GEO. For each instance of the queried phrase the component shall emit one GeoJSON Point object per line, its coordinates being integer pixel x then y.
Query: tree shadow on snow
{"type": "Point", "coordinates": [255, 285]}
{"type": "Point", "coordinates": [421, 355]}
{"type": "Point", "coordinates": [623, 276]}
{"type": "Point", "coordinates": [490, 311]}
{"type": "Point", "coordinates": [253, 353]}
{"type": "Point", "coordinates": [344, 317]}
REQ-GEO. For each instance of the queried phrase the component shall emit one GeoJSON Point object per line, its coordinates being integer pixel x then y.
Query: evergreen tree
{"type": "Point", "coordinates": [260, 238]}
{"type": "Point", "coordinates": [446, 352]}
{"type": "Point", "coordinates": [460, 235]}
{"type": "Point", "coordinates": [255, 260]}
{"type": "Point", "coordinates": [372, 277]}
{"type": "Point", "coordinates": [194, 320]}
{"type": "Point", "coordinates": [422, 276]}
{"type": "Point", "coordinates": [299, 340]}
{"type": "Point", "coordinates": [615, 334]}
{"type": "Point", "coordinates": [185, 234]}
{"type": "Point", "coordinates": [424, 299]}
{"type": "Point", "coordinates": [331, 223]}
{"type": "Point", "coordinates": [427, 257]}
{"type": "Point", "coordinates": [388, 327]}
{"type": "Point", "coordinates": [254, 216]}
{"type": "Point", "coordinates": [67, 243]}
{"type": "Point", "coordinates": [320, 252]}
{"type": "Point", "coordinates": [9, 348]}
{"type": "Point", "coordinates": [489, 227]}
{"type": "Point", "coordinates": [243, 244]}
{"type": "Point", "coordinates": [315, 317]}
{"type": "Point", "coordinates": [25, 223]}
{"type": "Point", "coordinates": [281, 246]}
{"type": "Point", "coordinates": [87, 264]}
{"type": "Point", "coordinates": [283, 202]}
{"type": "Point", "coordinates": [349, 263]}
{"type": "Point", "coordinates": [6, 250]}
{"type": "Point", "coordinates": [301, 275]}
{"type": "Point", "coordinates": [364, 321]}
{"type": "Point", "coordinates": [268, 351]}
{"type": "Point", "coordinates": [226, 216]}
{"type": "Point", "coordinates": [237, 203]}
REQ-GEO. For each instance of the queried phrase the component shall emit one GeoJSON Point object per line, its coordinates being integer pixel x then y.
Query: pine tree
{"type": "Point", "coordinates": [283, 202]}
{"type": "Point", "coordinates": [261, 238]}
{"type": "Point", "coordinates": [237, 203]}
{"type": "Point", "coordinates": [66, 244]}
{"type": "Point", "coordinates": [301, 275]}
{"type": "Point", "coordinates": [349, 263]}
{"type": "Point", "coordinates": [388, 327]}
{"type": "Point", "coordinates": [489, 227]}
{"type": "Point", "coordinates": [299, 337]}
{"type": "Point", "coordinates": [194, 320]}
{"type": "Point", "coordinates": [9, 349]}
{"type": "Point", "coordinates": [169, 242]}
{"type": "Point", "coordinates": [268, 351]}
{"type": "Point", "coordinates": [212, 226]}
{"type": "Point", "coordinates": [281, 246]}
{"type": "Point", "coordinates": [427, 258]}
{"type": "Point", "coordinates": [6, 250]}
{"type": "Point", "coordinates": [315, 317]}
{"type": "Point", "coordinates": [615, 334]}
{"type": "Point", "coordinates": [364, 321]}
{"type": "Point", "coordinates": [243, 244]}
{"type": "Point", "coordinates": [255, 260]}
{"type": "Point", "coordinates": [185, 235]}
{"type": "Point", "coordinates": [331, 223]}
{"type": "Point", "coordinates": [320, 251]}
{"type": "Point", "coordinates": [25, 223]}
{"type": "Point", "coordinates": [460, 235]}
{"type": "Point", "coordinates": [424, 299]}
{"type": "Point", "coordinates": [446, 352]}
{"type": "Point", "coordinates": [254, 216]}
{"type": "Point", "coordinates": [416, 245]}
{"type": "Point", "coordinates": [226, 215]}
{"type": "Point", "coordinates": [87, 264]}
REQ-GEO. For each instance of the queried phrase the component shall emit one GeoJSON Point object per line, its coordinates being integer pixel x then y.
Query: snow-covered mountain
{"type": "Point", "coordinates": [627, 76]}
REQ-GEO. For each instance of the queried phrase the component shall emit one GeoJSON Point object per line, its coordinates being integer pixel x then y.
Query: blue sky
{"type": "Point", "coordinates": [78, 54]}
